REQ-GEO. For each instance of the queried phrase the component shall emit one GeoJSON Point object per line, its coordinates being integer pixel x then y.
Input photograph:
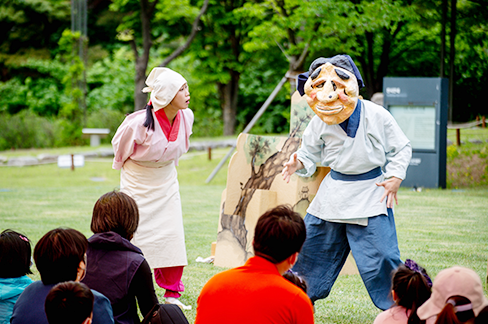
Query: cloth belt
{"type": "Point", "coordinates": [376, 172]}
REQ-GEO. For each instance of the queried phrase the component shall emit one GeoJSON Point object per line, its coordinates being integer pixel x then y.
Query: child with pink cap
{"type": "Point", "coordinates": [457, 297]}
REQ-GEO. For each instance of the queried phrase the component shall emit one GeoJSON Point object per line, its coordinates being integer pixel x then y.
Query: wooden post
{"type": "Point", "coordinates": [210, 153]}
{"type": "Point", "coordinates": [458, 137]}
{"type": "Point", "coordinates": [72, 162]}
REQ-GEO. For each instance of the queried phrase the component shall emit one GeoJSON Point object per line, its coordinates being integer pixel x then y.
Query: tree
{"type": "Point", "coordinates": [163, 18]}
{"type": "Point", "coordinates": [220, 55]}
{"type": "Point", "coordinates": [290, 25]}
{"type": "Point", "coordinates": [471, 60]}
{"type": "Point", "coordinates": [30, 29]}
{"type": "Point", "coordinates": [378, 31]}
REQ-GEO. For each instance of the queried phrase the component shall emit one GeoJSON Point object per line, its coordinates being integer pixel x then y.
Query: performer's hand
{"type": "Point", "coordinates": [391, 188]}
{"type": "Point", "coordinates": [290, 167]}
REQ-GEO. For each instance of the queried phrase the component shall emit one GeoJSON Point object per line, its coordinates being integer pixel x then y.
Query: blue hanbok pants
{"type": "Point", "coordinates": [374, 247]}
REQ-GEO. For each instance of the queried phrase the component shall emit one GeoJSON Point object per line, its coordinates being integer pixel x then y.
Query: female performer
{"type": "Point", "coordinates": [147, 147]}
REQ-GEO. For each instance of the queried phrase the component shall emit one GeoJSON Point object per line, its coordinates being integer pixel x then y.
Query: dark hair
{"type": "Point", "coordinates": [149, 122]}
{"type": "Point", "coordinates": [482, 317]}
{"type": "Point", "coordinates": [279, 233]}
{"type": "Point", "coordinates": [69, 303]}
{"type": "Point", "coordinates": [117, 212]}
{"type": "Point", "coordinates": [58, 255]}
{"type": "Point", "coordinates": [295, 279]}
{"type": "Point", "coordinates": [412, 290]}
{"type": "Point", "coordinates": [15, 254]}
{"type": "Point", "coordinates": [448, 314]}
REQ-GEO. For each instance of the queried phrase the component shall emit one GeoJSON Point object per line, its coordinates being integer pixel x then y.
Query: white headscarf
{"type": "Point", "coordinates": [163, 83]}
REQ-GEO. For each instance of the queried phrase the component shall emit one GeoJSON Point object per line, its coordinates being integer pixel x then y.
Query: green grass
{"type": "Point", "coordinates": [437, 228]}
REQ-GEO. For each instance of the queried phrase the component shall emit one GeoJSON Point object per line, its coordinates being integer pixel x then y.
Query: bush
{"type": "Point", "coordinates": [26, 130]}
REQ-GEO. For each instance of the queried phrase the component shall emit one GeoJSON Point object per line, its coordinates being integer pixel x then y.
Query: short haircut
{"type": "Point", "coordinates": [117, 212]}
{"type": "Point", "coordinates": [58, 255]}
{"type": "Point", "coordinates": [279, 233]}
{"type": "Point", "coordinates": [69, 303]}
{"type": "Point", "coordinates": [15, 254]}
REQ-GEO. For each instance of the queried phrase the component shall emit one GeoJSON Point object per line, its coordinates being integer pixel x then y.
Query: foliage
{"type": "Point", "coordinates": [167, 24]}
{"type": "Point", "coordinates": [293, 26]}
{"type": "Point", "coordinates": [248, 42]}
{"type": "Point", "coordinates": [255, 87]}
{"type": "Point", "coordinates": [26, 130]}
{"type": "Point", "coordinates": [467, 165]}
{"type": "Point", "coordinates": [219, 44]}
{"type": "Point", "coordinates": [30, 30]}
{"type": "Point", "coordinates": [471, 63]}
{"type": "Point", "coordinates": [73, 80]}
{"type": "Point", "coordinates": [111, 83]}
{"type": "Point", "coordinates": [42, 92]}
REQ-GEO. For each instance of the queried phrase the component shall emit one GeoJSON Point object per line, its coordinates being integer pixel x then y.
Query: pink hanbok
{"type": "Point", "coordinates": [148, 159]}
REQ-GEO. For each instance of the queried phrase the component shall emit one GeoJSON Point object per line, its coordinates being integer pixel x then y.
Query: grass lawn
{"type": "Point", "coordinates": [437, 228]}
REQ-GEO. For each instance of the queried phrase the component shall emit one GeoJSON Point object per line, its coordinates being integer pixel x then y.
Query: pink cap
{"type": "Point", "coordinates": [455, 281]}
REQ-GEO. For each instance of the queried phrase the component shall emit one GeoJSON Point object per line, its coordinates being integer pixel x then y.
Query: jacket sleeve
{"type": "Point", "coordinates": [142, 287]}
{"type": "Point", "coordinates": [102, 309]}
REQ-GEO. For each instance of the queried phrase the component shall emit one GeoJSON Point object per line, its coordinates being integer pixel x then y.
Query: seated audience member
{"type": "Point", "coordinates": [457, 297]}
{"type": "Point", "coordinates": [411, 287]}
{"type": "Point", "coordinates": [113, 260]}
{"type": "Point", "coordinates": [15, 262]}
{"type": "Point", "coordinates": [59, 256]}
{"type": "Point", "coordinates": [257, 292]}
{"type": "Point", "coordinates": [69, 302]}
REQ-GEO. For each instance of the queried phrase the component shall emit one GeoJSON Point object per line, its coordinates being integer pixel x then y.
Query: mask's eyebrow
{"type": "Point", "coordinates": [343, 75]}
{"type": "Point", "coordinates": [316, 73]}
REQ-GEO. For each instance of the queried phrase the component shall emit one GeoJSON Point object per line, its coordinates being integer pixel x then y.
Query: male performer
{"type": "Point", "coordinates": [356, 139]}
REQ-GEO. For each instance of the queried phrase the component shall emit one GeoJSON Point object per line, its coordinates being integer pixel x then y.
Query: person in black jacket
{"type": "Point", "coordinates": [116, 267]}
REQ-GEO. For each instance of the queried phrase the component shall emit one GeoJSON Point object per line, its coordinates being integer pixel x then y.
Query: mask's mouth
{"type": "Point", "coordinates": [329, 110]}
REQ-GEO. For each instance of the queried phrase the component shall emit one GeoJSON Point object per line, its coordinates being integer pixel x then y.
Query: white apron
{"type": "Point", "coordinates": [160, 235]}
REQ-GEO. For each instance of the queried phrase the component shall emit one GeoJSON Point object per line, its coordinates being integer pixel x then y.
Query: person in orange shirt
{"type": "Point", "coordinates": [257, 292]}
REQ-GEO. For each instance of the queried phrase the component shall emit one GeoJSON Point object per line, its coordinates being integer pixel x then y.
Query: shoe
{"type": "Point", "coordinates": [175, 301]}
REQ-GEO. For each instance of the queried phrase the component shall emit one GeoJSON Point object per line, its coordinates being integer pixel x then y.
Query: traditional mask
{"type": "Point", "coordinates": [331, 91]}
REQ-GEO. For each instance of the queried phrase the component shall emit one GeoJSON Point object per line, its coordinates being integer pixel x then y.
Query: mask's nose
{"type": "Point", "coordinates": [327, 93]}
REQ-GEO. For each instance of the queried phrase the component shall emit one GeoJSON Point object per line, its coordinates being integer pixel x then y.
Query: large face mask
{"type": "Point", "coordinates": [332, 93]}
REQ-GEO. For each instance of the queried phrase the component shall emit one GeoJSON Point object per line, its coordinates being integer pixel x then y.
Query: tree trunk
{"type": "Point", "coordinates": [147, 10]}
{"type": "Point", "coordinates": [452, 56]}
{"type": "Point", "coordinates": [140, 98]}
{"type": "Point", "coordinates": [382, 70]}
{"type": "Point", "coordinates": [368, 64]}
{"type": "Point", "coordinates": [443, 39]}
{"type": "Point", "coordinates": [228, 94]}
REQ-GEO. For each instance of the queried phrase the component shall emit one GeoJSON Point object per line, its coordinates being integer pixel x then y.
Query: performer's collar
{"type": "Point", "coordinates": [351, 125]}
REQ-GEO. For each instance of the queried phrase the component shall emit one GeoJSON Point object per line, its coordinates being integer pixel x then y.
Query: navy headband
{"type": "Point", "coordinates": [343, 61]}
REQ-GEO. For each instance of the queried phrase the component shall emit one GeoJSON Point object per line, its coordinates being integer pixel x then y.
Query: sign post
{"type": "Point", "coordinates": [419, 105]}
